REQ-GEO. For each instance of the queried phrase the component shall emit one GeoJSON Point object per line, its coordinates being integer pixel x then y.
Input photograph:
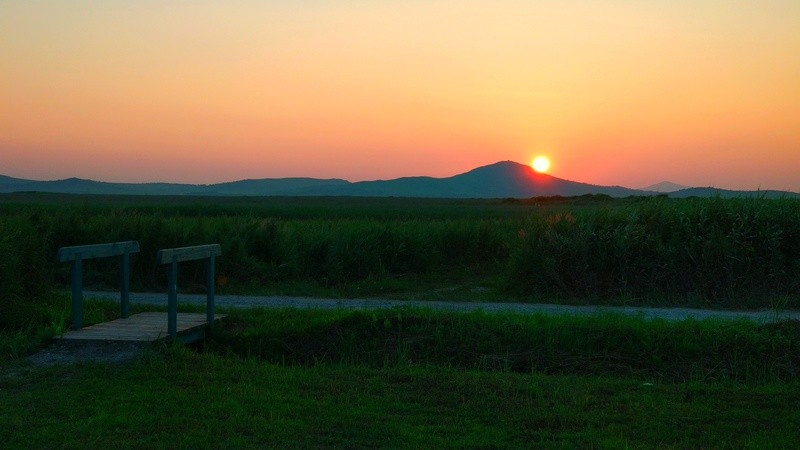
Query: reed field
{"type": "Point", "coordinates": [726, 253]}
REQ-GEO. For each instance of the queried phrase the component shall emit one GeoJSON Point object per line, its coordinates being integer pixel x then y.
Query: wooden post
{"type": "Point", "coordinates": [210, 292]}
{"type": "Point", "coordinates": [77, 292]}
{"type": "Point", "coordinates": [125, 283]}
{"type": "Point", "coordinates": [172, 304]}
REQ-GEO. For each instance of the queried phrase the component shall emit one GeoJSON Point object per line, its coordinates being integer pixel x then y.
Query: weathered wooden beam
{"type": "Point", "coordinates": [125, 284]}
{"type": "Point", "coordinates": [143, 327]}
{"type": "Point", "coordinates": [170, 255]}
{"type": "Point", "coordinates": [210, 292]}
{"type": "Point", "coordinates": [97, 250]}
{"type": "Point", "coordinates": [77, 293]}
{"type": "Point", "coordinates": [172, 301]}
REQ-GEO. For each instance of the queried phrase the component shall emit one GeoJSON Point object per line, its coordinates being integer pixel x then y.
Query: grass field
{"type": "Point", "coordinates": [416, 378]}
{"type": "Point", "coordinates": [605, 345]}
{"type": "Point", "coordinates": [182, 399]}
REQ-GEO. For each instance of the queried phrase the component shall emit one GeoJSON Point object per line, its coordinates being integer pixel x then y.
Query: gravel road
{"type": "Point", "coordinates": [243, 302]}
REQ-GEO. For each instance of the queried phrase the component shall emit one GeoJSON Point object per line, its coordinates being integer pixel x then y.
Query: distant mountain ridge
{"type": "Point", "coordinates": [506, 179]}
{"type": "Point", "coordinates": [727, 193]}
{"type": "Point", "coordinates": [665, 186]}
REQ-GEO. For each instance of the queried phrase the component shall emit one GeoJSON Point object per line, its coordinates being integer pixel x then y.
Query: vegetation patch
{"type": "Point", "coordinates": [176, 398]}
{"type": "Point", "coordinates": [607, 345]}
{"type": "Point", "coordinates": [418, 378]}
{"type": "Point", "coordinates": [729, 253]}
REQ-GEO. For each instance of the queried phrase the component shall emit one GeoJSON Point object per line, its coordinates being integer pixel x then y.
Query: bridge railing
{"type": "Point", "coordinates": [173, 256]}
{"type": "Point", "coordinates": [76, 254]}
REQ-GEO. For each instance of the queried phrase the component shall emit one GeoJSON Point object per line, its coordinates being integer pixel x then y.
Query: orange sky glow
{"type": "Point", "coordinates": [615, 92]}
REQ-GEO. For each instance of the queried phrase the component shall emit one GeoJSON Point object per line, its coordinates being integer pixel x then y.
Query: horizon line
{"type": "Point", "coordinates": [643, 188]}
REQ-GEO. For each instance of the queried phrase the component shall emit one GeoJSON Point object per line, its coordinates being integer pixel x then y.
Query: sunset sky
{"type": "Point", "coordinates": [615, 92]}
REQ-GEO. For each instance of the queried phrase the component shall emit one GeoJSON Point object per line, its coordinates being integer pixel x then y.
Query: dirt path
{"type": "Point", "coordinates": [243, 302]}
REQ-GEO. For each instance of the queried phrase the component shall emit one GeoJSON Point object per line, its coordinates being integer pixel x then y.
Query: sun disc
{"type": "Point", "coordinates": [541, 164]}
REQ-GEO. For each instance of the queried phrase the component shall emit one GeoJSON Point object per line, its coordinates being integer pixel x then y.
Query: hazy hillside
{"type": "Point", "coordinates": [511, 179]}
{"type": "Point", "coordinates": [665, 187]}
{"type": "Point", "coordinates": [270, 186]}
{"type": "Point", "coordinates": [725, 193]}
{"type": "Point", "coordinates": [499, 180]}
{"type": "Point", "coordinates": [81, 186]}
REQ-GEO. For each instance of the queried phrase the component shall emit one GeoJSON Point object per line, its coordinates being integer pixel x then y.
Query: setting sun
{"type": "Point", "coordinates": [541, 164]}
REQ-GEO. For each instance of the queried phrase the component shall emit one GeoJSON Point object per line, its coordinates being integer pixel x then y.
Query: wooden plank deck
{"type": "Point", "coordinates": [143, 327]}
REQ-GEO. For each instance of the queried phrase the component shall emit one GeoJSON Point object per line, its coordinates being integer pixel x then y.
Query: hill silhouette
{"type": "Point", "coordinates": [665, 187]}
{"type": "Point", "coordinates": [726, 193]}
{"type": "Point", "coordinates": [270, 186]}
{"type": "Point", "coordinates": [505, 179]}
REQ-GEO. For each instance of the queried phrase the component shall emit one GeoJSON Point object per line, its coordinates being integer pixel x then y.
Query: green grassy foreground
{"type": "Point", "coordinates": [606, 345]}
{"type": "Point", "coordinates": [181, 399]}
{"type": "Point", "coordinates": [415, 378]}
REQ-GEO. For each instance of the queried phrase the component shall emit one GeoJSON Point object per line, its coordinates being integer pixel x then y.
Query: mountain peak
{"type": "Point", "coordinates": [510, 169]}
{"type": "Point", "coordinates": [502, 165]}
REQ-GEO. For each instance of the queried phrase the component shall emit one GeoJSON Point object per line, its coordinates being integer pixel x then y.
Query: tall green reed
{"type": "Point", "coordinates": [736, 252]}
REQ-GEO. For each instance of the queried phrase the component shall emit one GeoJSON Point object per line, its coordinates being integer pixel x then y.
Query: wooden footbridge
{"type": "Point", "coordinates": [149, 326]}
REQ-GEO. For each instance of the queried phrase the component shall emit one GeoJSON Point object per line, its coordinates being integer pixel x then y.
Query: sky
{"type": "Point", "coordinates": [615, 92]}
